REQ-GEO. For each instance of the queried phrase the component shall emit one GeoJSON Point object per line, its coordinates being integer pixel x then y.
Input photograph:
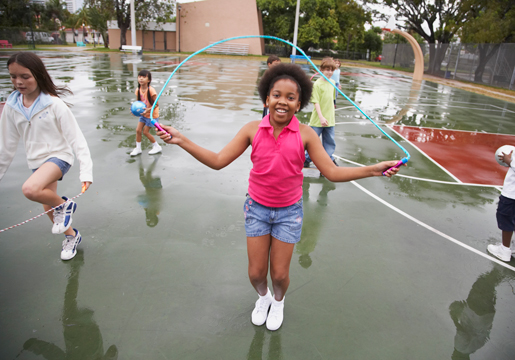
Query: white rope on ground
{"type": "Point", "coordinates": [445, 236]}
{"type": "Point", "coordinates": [424, 179]}
{"type": "Point", "coordinates": [35, 217]}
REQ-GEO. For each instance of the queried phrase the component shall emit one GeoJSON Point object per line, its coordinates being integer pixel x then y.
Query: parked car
{"type": "Point", "coordinates": [39, 37]}
{"type": "Point", "coordinates": [312, 49]}
{"type": "Point", "coordinates": [379, 58]}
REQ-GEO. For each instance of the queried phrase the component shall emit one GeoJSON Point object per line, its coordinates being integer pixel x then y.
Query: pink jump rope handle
{"type": "Point", "coordinates": [159, 127]}
{"type": "Point", "coordinates": [401, 162]}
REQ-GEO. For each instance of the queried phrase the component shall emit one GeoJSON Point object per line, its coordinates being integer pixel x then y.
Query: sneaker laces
{"type": "Point", "coordinates": [59, 214]}
{"type": "Point", "coordinates": [69, 243]}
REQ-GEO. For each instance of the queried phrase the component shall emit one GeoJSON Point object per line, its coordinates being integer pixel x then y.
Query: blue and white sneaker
{"type": "Point", "coordinates": [63, 216]}
{"type": "Point", "coordinates": [70, 245]}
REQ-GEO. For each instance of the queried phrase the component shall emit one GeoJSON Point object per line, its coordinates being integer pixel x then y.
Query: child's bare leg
{"type": "Point", "coordinates": [41, 186]}
{"type": "Point", "coordinates": [280, 258]}
{"type": "Point", "coordinates": [258, 250]}
{"type": "Point", "coordinates": [506, 238]}
{"type": "Point", "coordinates": [139, 130]}
{"type": "Point", "coordinates": [146, 131]}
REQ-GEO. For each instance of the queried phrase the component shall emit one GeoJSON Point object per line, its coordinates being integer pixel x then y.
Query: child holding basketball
{"type": "Point", "coordinates": [323, 117]}
{"type": "Point", "coordinates": [273, 206]}
{"type": "Point", "coordinates": [148, 95]}
{"type": "Point", "coordinates": [505, 211]}
{"type": "Point", "coordinates": [35, 113]}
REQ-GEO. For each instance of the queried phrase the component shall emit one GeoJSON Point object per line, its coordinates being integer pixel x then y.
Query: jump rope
{"type": "Point", "coordinates": [159, 127]}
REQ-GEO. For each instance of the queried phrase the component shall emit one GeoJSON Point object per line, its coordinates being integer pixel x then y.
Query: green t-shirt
{"type": "Point", "coordinates": [323, 94]}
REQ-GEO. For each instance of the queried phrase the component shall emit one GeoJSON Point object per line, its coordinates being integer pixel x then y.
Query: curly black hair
{"type": "Point", "coordinates": [286, 71]}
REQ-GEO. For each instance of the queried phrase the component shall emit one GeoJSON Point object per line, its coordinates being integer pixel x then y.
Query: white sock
{"type": "Point", "coordinates": [138, 145]}
{"type": "Point", "coordinates": [504, 247]}
{"type": "Point", "coordinates": [266, 295]}
{"type": "Point", "coordinates": [155, 144]}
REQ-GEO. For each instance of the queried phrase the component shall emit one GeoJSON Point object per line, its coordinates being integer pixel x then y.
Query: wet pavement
{"type": "Point", "coordinates": [161, 272]}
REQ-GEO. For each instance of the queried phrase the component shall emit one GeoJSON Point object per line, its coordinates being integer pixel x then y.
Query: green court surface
{"type": "Point", "coordinates": [386, 268]}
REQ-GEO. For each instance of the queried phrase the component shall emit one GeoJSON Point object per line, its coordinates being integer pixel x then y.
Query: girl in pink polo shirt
{"type": "Point", "coordinates": [273, 207]}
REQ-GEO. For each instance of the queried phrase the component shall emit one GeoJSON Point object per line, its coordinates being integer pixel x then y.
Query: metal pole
{"type": "Point", "coordinates": [31, 30]}
{"type": "Point", "coordinates": [178, 22]}
{"type": "Point", "coordinates": [395, 54]}
{"type": "Point", "coordinates": [457, 61]}
{"type": "Point", "coordinates": [295, 31]}
{"type": "Point", "coordinates": [495, 66]}
{"type": "Point", "coordinates": [512, 78]}
{"type": "Point", "coordinates": [133, 27]}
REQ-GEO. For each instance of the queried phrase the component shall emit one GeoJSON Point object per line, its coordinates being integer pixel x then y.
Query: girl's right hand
{"type": "Point", "coordinates": [172, 136]}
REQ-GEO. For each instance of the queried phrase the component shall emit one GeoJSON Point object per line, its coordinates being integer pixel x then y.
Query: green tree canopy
{"type": "Point", "coordinates": [320, 21]}
{"type": "Point", "coordinates": [436, 21]}
{"type": "Point", "coordinates": [489, 24]}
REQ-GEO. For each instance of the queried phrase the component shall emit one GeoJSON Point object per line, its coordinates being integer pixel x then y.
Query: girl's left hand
{"type": "Point", "coordinates": [85, 186]}
{"type": "Point", "coordinates": [386, 165]}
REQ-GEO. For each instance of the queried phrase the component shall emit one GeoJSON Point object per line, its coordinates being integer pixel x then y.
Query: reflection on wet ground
{"type": "Point", "coordinates": [166, 269]}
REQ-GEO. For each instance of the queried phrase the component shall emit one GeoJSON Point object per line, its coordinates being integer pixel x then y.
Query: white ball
{"type": "Point", "coordinates": [506, 149]}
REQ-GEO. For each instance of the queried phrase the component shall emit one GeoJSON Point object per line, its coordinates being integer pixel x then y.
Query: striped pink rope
{"type": "Point", "coordinates": [35, 217]}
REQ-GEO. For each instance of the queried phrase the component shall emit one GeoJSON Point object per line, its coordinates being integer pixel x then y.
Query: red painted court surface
{"type": "Point", "coordinates": [467, 155]}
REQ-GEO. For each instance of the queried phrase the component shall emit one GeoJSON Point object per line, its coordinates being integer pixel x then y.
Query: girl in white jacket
{"type": "Point", "coordinates": [35, 113]}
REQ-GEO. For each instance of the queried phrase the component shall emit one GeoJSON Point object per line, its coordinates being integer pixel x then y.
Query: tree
{"type": "Point", "coordinates": [372, 41]}
{"type": "Point", "coordinates": [441, 18]}
{"type": "Point", "coordinates": [489, 23]}
{"type": "Point", "coordinates": [320, 21]}
{"type": "Point", "coordinates": [70, 22]}
{"type": "Point", "coordinates": [13, 13]}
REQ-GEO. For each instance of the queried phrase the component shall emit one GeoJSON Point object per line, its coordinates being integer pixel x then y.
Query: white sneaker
{"type": "Point", "coordinates": [261, 310]}
{"type": "Point", "coordinates": [70, 245]}
{"type": "Point", "coordinates": [275, 316]}
{"type": "Point", "coordinates": [156, 149]}
{"type": "Point", "coordinates": [136, 151]}
{"type": "Point", "coordinates": [63, 216]}
{"type": "Point", "coordinates": [499, 251]}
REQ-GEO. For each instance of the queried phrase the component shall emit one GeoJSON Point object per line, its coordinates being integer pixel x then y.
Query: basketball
{"type": "Point", "coordinates": [138, 108]}
{"type": "Point", "coordinates": [506, 149]}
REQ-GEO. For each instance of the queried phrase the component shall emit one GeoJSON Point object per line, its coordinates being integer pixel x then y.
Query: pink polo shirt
{"type": "Point", "coordinates": [276, 176]}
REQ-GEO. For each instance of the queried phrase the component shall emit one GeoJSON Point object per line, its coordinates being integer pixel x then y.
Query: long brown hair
{"type": "Point", "coordinates": [32, 62]}
{"type": "Point", "coordinates": [148, 75]}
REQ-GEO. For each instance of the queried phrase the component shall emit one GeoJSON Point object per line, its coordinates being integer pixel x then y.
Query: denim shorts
{"type": "Point", "coordinates": [147, 121]}
{"type": "Point", "coordinates": [283, 223]}
{"type": "Point", "coordinates": [506, 214]}
{"type": "Point", "coordinates": [63, 166]}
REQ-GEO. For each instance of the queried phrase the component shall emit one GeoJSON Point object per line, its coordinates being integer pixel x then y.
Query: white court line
{"type": "Point", "coordinates": [445, 236]}
{"type": "Point", "coordinates": [427, 156]}
{"type": "Point", "coordinates": [424, 179]}
{"type": "Point", "coordinates": [502, 109]}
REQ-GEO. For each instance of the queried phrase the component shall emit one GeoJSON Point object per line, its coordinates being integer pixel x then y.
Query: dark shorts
{"type": "Point", "coordinates": [506, 214]}
{"type": "Point", "coordinates": [63, 166]}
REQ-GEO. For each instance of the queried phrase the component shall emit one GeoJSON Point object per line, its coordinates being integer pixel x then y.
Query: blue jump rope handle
{"type": "Point", "coordinates": [403, 161]}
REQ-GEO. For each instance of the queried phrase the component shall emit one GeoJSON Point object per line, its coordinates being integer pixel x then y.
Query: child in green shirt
{"type": "Point", "coordinates": [322, 117]}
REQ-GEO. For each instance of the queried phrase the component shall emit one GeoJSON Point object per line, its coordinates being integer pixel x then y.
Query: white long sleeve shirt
{"type": "Point", "coordinates": [50, 130]}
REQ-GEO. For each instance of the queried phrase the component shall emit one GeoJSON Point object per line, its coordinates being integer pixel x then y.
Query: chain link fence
{"type": "Point", "coordinates": [490, 64]}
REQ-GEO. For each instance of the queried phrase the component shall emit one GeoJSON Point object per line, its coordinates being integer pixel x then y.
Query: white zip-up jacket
{"type": "Point", "coordinates": [50, 130]}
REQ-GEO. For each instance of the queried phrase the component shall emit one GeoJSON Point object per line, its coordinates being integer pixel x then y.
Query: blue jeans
{"type": "Point", "coordinates": [328, 142]}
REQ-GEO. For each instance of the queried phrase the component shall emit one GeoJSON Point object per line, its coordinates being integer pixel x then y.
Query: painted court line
{"type": "Point", "coordinates": [445, 236]}
{"type": "Point", "coordinates": [427, 156]}
{"type": "Point", "coordinates": [425, 179]}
